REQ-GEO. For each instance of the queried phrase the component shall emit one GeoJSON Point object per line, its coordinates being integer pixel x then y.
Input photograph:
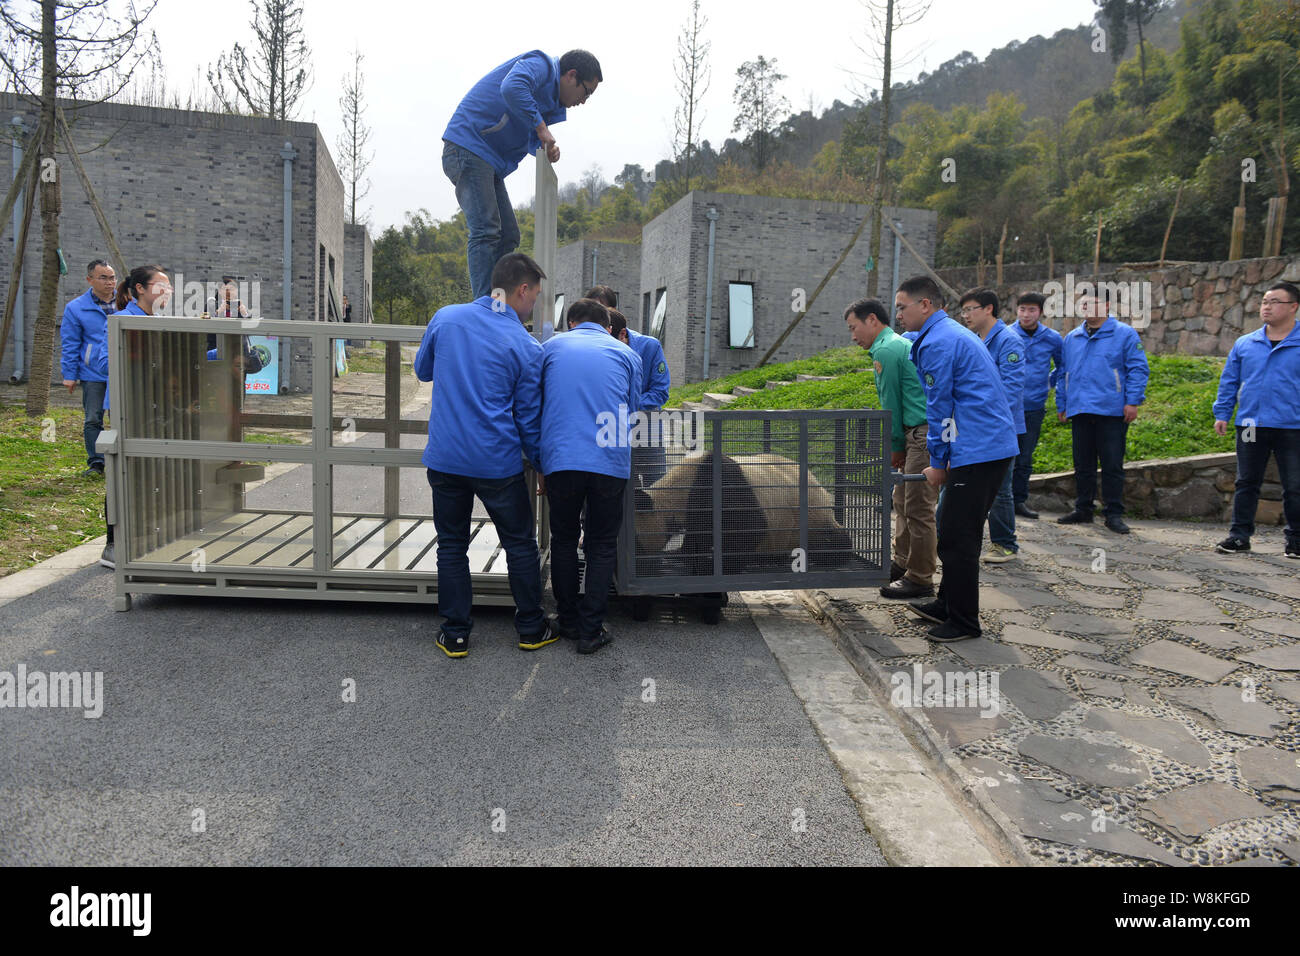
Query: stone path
{"type": "Point", "coordinates": [1148, 694]}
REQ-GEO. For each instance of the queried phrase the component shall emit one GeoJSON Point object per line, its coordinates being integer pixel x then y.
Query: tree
{"type": "Point", "coordinates": [77, 47]}
{"type": "Point", "coordinates": [758, 105]}
{"type": "Point", "coordinates": [274, 79]}
{"type": "Point", "coordinates": [1118, 15]}
{"type": "Point", "coordinates": [693, 74]}
{"type": "Point", "coordinates": [593, 184]}
{"type": "Point", "coordinates": [352, 143]}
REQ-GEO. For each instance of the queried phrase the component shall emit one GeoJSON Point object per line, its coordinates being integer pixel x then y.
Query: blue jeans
{"type": "Point", "coordinates": [508, 505]}
{"type": "Point", "coordinates": [1024, 466]}
{"type": "Point", "coordinates": [569, 493]}
{"type": "Point", "coordinates": [1002, 516]}
{"type": "Point", "coordinates": [92, 403]}
{"type": "Point", "coordinates": [481, 193]}
{"type": "Point", "coordinates": [1252, 459]}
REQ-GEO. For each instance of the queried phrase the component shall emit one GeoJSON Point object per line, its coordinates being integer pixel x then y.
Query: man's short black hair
{"type": "Point", "coordinates": [588, 310]}
{"type": "Point", "coordinates": [981, 295]}
{"type": "Point", "coordinates": [865, 307]}
{"type": "Point", "coordinates": [604, 295]}
{"type": "Point", "coordinates": [617, 322]}
{"type": "Point", "coordinates": [1032, 298]}
{"type": "Point", "coordinates": [922, 287]}
{"type": "Point", "coordinates": [95, 264]}
{"type": "Point", "coordinates": [514, 270]}
{"type": "Point", "coordinates": [1286, 287]}
{"type": "Point", "coordinates": [588, 66]}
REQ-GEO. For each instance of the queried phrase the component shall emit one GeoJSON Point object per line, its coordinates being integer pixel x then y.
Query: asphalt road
{"type": "Point", "coordinates": [236, 708]}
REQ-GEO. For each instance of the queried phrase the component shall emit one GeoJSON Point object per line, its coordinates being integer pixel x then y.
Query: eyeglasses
{"type": "Point", "coordinates": [968, 310]}
{"type": "Point", "coordinates": [1277, 302]}
{"type": "Point", "coordinates": [586, 92]}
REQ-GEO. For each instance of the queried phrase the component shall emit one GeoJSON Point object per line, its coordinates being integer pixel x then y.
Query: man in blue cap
{"type": "Point", "coordinates": [972, 442]}
{"type": "Point", "coordinates": [506, 116]}
{"type": "Point", "coordinates": [1261, 378]}
{"type": "Point", "coordinates": [979, 312]}
{"type": "Point", "coordinates": [591, 384]}
{"type": "Point", "coordinates": [484, 419]}
{"type": "Point", "coordinates": [1100, 384]}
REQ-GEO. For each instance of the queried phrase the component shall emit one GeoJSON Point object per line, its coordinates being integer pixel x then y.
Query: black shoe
{"type": "Point", "coordinates": [896, 571]}
{"type": "Point", "coordinates": [903, 589]}
{"type": "Point", "coordinates": [568, 633]}
{"type": "Point", "coordinates": [459, 647]}
{"type": "Point", "coordinates": [106, 559]}
{"type": "Point", "coordinates": [931, 611]}
{"type": "Point", "coordinates": [94, 471]}
{"type": "Point", "coordinates": [1116, 523]}
{"type": "Point", "coordinates": [1293, 549]}
{"type": "Point", "coordinates": [947, 633]}
{"type": "Point", "coordinates": [1232, 545]}
{"type": "Point", "coordinates": [1075, 517]}
{"type": "Point", "coordinates": [590, 645]}
{"type": "Point", "coordinates": [549, 635]}
{"type": "Point", "coordinates": [1024, 511]}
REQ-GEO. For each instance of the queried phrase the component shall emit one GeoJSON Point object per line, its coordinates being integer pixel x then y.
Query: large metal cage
{"type": "Point", "coordinates": [749, 500]}
{"type": "Point", "coordinates": [318, 497]}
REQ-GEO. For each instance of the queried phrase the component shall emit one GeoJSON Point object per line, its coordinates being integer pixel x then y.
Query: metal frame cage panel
{"type": "Point", "coordinates": [753, 500]}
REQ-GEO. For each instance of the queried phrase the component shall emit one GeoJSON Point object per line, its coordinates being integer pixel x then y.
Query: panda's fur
{"type": "Point", "coordinates": [760, 514]}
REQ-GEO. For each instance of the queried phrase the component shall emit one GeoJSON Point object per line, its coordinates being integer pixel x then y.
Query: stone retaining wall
{"type": "Point", "coordinates": [1197, 487]}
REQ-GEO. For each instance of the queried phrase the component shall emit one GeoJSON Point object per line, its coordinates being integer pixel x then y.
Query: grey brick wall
{"type": "Point", "coordinates": [581, 264]}
{"type": "Point", "coordinates": [358, 258]}
{"type": "Point", "coordinates": [779, 245]}
{"type": "Point", "coordinates": [200, 193]}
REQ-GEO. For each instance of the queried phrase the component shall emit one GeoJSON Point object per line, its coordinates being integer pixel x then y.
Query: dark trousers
{"type": "Point", "coordinates": [92, 403]}
{"type": "Point", "coordinates": [1099, 437]}
{"type": "Point", "coordinates": [968, 495]}
{"type": "Point", "coordinates": [509, 505]}
{"type": "Point", "coordinates": [569, 493]}
{"type": "Point", "coordinates": [1024, 466]}
{"type": "Point", "coordinates": [1252, 460]}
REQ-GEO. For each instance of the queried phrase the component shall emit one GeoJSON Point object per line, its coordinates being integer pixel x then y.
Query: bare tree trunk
{"type": "Point", "coordinates": [42, 361]}
{"type": "Point", "coordinates": [873, 277]}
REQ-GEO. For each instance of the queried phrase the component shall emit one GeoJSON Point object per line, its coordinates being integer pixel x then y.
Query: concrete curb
{"type": "Point", "coordinates": [994, 825]}
{"type": "Point", "coordinates": [29, 580]}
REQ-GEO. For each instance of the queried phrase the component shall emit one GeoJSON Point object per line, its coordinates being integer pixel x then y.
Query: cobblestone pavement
{"type": "Point", "coordinates": [1149, 694]}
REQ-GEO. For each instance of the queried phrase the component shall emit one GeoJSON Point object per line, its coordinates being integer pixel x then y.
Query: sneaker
{"type": "Point", "coordinates": [1075, 517]}
{"type": "Point", "coordinates": [1293, 549]}
{"type": "Point", "coordinates": [1116, 523]}
{"type": "Point", "coordinates": [94, 471]}
{"type": "Point", "coordinates": [590, 645]}
{"type": "Point", "coordinates": [947, 633]}
{"type": "Point", "coordinates": [1232, 545]}
{"type": "Point", "coordinates": [457, 647]}
{"type": "Point", "coordinates": [903, 589]}
{"type": "Point", "coordinates": [106, 559]}
{"type": "Point", "coordinates": [568, 633]}
{"type": "Point", "coordinates": [549, 635]}
{"type": "Point", "coordinates": [931, 611]}
{"type": "Point", "coordinates": [1024, 511]}
{"type": "Point", "coordinates": [996, 554]}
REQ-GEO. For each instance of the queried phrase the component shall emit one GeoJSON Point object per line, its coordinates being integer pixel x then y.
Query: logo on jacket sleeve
{"type": "Point", "coordinates": [929, 379]}
{"type": "Point", "coordinates": [662, 368]}
{"type": "Point", "coordinates": [1013, 357]}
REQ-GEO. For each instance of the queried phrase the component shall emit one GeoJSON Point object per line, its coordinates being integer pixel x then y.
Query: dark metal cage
{"type": "Point", "coordinates": [753, 500]}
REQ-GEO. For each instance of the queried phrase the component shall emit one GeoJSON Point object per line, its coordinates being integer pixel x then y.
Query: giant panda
{"type": "Point", "coordinates": [760, 516]}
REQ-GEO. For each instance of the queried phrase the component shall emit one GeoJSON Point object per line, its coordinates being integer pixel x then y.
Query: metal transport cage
{"type": "Point", "coordinates": [320, 496]}
{"type": "Point", "coordinates": [752, 500]}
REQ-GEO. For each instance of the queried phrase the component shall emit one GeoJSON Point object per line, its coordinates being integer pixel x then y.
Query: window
{"type": "Point", "coordinates": [661, 313]}
{"type": "Point", "coordinates": [740, 315]}
{"type": "Point", "coordinates": [557, 317]}
{"type": "Point", "coordinates": [645, 312]}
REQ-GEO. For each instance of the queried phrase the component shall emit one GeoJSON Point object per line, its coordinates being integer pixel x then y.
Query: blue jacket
{"type": "Point", "coordinates": [966, 407]}
{"type": "Point", "coordinates": [1101, 373]}
{"type": "Point", "coordinates": [1262, 381]}
{"type": "Point", "coordinates": [84, 333]}
{"type": "Point", "coordinates": [655, 380]}
{"type": "Point", "coordinates": [131, 308]}
{"type": "Point", "coordinates": [1043, 352]}
{"type": "Point", "coordinates": [487, 401]}
{"type": "Point", "coordinates": [497, 120]}
{"type": "Point", "coordinates": [1007, 347]}
{"type": "Point", "coordinates": [591, 383]}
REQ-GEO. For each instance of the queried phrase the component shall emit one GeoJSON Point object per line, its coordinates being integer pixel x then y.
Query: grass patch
{"type": "Point", "coordinates": [46, 506]}
{"type": "Point", "coordinates": [1175, 421]}
{"type": "Point", "coordinates": [368, 360]}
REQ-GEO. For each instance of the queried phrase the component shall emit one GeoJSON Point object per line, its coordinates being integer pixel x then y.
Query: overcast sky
{"type": "Point", "coordinates": [420, 59]}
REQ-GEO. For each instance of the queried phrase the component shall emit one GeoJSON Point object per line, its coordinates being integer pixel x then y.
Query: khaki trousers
{"type": "Point", "coordinates": [916, 539]}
